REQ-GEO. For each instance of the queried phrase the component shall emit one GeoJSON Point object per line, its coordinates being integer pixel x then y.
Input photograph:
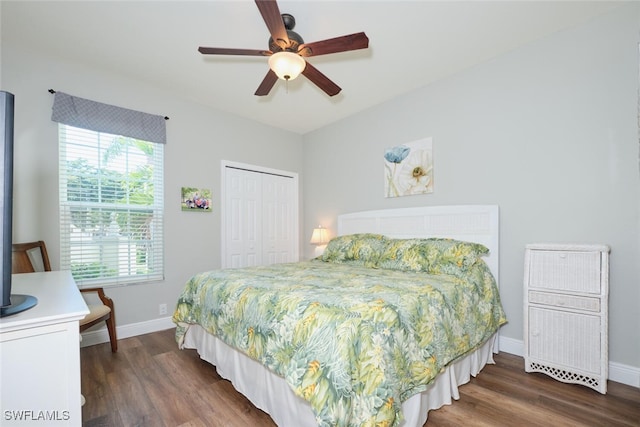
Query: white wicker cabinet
{"type": "Point", "coordinates": [566, 288]}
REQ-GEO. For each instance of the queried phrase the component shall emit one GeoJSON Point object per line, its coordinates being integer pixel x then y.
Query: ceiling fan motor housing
{"type": "Point", "coordinates": [295, 39]}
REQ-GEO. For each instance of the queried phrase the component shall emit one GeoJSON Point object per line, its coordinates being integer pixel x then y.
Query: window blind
{"type": "Point", "coordinates": [111, 207]}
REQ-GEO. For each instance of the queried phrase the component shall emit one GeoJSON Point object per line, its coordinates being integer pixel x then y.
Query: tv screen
{"type": "Point", "coordinates": [6, 151]}
{"type": "Point", "coordinates": [9, 303]}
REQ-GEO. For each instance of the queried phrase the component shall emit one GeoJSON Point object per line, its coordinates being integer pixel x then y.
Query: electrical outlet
{"type": "Point", "coordinates": [162, 309]}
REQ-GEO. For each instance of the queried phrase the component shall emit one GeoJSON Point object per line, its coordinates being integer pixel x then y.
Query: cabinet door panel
{"type": "Point", "coordinates": [41, 376]}
{"type": "Point", "coordinates": [565, 271]}
{"type": "Point", "coordinates": [565, 338]}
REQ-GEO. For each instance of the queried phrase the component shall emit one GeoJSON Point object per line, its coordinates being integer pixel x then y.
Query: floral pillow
{"type": "Point", "coordinates": [363, 249]}
{"type": "Point", "coordinates": [433, 256]}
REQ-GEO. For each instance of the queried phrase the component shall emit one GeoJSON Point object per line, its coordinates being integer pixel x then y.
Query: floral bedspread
{"type": "Point", "coordinates": [355, 342]}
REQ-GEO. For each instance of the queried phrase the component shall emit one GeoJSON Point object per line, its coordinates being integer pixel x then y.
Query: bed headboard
{"type": "Point", "coordinates": [472, 223]}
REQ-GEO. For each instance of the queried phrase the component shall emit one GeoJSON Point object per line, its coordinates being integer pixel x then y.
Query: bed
{"type": "Point", "coordinates": [349, 338]}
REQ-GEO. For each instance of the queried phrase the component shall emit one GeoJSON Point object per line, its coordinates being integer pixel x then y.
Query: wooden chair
{"type": "Point", "coordinates": [33, 257]}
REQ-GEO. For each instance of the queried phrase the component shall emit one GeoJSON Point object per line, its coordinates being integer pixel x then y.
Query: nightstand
{"type": "Point", "coordinates": [566, 288]}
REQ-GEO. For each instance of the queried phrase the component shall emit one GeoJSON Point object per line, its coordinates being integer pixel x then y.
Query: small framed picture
{"type": "Point", "coordinates": [196, 199]}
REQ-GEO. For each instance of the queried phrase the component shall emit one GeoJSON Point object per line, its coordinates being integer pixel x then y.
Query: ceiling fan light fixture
{"type": "Point", "coordinates": [287, 65]}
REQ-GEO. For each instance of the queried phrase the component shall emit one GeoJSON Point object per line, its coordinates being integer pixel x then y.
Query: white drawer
{"type": "Point", "coordinates": [567, 301]}
{"type": "Point", "coordinates": [571, 271]}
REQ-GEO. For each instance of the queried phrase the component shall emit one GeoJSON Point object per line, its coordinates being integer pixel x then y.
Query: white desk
{"type": "Point", "coordinates": [40, 353]}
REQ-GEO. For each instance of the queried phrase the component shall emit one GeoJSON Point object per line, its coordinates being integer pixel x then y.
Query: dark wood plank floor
{"type": "Point", "coordinates": [149, 382]}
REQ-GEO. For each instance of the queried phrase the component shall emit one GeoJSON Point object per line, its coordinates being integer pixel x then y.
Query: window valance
{"type": "Point", "coordinates": [99, 117]}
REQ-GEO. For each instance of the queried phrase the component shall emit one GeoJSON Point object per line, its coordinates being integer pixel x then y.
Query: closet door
{"type": "Point", "coordinates": [260, 216]}
{"type": "Point", "coordinates": [242, 222]}
{"type": "Point", "coordinates": [279, 226]}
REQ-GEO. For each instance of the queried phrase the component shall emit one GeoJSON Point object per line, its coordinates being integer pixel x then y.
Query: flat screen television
{"type": "Point", "coordinates": [9, 303]}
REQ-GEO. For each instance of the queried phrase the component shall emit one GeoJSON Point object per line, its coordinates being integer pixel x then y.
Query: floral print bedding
{"type": "Point", "coordinates": [353, 341]}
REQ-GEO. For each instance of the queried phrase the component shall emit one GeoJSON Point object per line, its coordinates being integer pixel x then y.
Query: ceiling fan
{"type": "Point", "coordinates": [287, 50]}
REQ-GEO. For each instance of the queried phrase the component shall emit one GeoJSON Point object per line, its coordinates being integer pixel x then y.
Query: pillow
{"type": "Point", "coordinates": [363, 249]}
{"type": "Point", "coordinates": [433, 256]}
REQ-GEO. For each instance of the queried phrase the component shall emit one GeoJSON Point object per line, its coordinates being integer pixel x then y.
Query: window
{"type": "Point", "coordinates": [111, 207]}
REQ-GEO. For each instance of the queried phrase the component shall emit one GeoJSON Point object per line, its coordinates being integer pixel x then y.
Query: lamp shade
{"type": "Point", "coordinates": [319, 236]}
{"type": "Point", "coordinates": [287, 65]}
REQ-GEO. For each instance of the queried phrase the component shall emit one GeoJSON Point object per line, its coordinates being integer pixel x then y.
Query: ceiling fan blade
{"type": "Point", "coordinates": [227, 51]}
{"type": "Point", "coordinates": [337, 44]}
{"type": "Point", "coordinates": [320, 80]}
{"type": "Point", "coordinates": [271, 15]}
{"type": "Point", "coordinates": [267, 83]}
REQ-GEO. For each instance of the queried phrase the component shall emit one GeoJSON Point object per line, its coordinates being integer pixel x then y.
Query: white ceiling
{"type": "Point", "coordinates": [412, 43]}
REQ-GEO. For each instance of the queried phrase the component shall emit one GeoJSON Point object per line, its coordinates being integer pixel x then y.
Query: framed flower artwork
{"type": "Point", "coordinates": [408, 169]}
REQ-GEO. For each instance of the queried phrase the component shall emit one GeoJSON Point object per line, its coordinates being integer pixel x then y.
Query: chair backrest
{"type": "Point", "coordinates": [30, 257]}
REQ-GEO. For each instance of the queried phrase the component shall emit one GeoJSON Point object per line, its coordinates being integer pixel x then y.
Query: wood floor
{"type": "Point", "coordinates": [149, 382]}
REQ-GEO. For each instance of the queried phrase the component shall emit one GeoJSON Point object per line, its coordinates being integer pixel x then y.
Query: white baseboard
{"type": "Point", "coordinates": [618, 372]}
{"type": "Point", "coordinates": [625, 374]}
{"type": "Point", "coordinates": [512, 346]}
{"type": "Point", "coordinates": [100, 336]}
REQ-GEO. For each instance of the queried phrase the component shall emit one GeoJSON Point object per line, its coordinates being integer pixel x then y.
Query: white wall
{"type": "Point", "coordinates": [198, 139]}
{"type": "Point", "coordinates": [549, 132]}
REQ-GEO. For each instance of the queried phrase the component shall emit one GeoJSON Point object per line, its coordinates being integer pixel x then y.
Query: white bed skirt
{"type": "Point", "coordinates": [272, 394]}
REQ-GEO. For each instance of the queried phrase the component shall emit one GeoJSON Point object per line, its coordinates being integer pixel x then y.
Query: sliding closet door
{"type": "Point", "coordinates": [243, 208]}
{"type": "Point", "coordinates": [260, 216]}
{"type": "Point", "coordinates": [279, 225]}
